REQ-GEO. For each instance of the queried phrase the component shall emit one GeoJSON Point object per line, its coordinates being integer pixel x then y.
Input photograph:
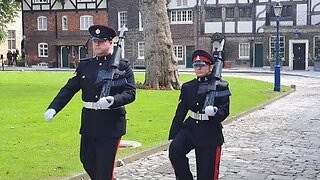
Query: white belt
{"type": "Point", "coordinates": [199, 116]}
{"type": "Point", "coordinates": [92, 105]}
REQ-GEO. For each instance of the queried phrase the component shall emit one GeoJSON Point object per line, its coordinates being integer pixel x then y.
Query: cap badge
{"type": "Point", "coordinates": [97, 31]}
{"type": "Point", "coordinates": [198, 58]}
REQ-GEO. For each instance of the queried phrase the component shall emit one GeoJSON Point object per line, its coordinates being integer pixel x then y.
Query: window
{"type": "Point", "coordinates": [42, 23]}
{"type": "Point", "coordinates": [43, 50]}
{"type": "Point", "coordinates": [182, 2]}
{"type": "Point", "coordinates": [140, 50]}
{"type": "Point", "coordinates": [140, 22]}
{"type": "Point", "coordinates": [181, 16]}
{"type": "Point", "coordinates": [273, 48]}
{"type": "Point", "coordinates": [230, 12]}
{"type": "Point", "coordinates": [64, 23]}
{"type": "Point", "coordinates": [245, 12]}
{"type": "Point", "coordinates": [11, 39]}
{"type": "Point", "coordinates": [122, 19]}
{"type": "Point", "coordinates": [40, 1]}
{"type": "Point", "coordinates": [215, 12]}
{"type": "Point", "coordinates": [85, 22]}
{"type": "Point", "coordinates": [178, 52]}
{"type": "Point", "coordinates": [244, 50]}
{"type": "Point", "coordinates": [316, 47]}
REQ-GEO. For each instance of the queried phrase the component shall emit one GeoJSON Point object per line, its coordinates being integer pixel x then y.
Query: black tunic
{"type": "Point", "coordinates": [202, 133]}
{"type": "Point", "coordinates": [99, 123]}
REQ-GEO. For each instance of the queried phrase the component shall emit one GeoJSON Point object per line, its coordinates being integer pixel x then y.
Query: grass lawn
{"type": "Point", "coordinates": [31, 148]}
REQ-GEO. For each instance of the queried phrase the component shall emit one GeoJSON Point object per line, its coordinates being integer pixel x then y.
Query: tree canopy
{"type": "Point", "coordinates": [8, 11]}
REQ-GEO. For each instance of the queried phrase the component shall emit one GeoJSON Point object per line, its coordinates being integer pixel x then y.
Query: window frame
{"type": "Point", "coordinates": [64, 26]}
{"type": "Point", "coordinates": [85, 22]}
{"type": "Point", "coordinates": [122, 20]}
{"type": "Point", "coordinates": [245, 12]}
{"type": "Point", "coordinates": [244, 50]}
{"type": "Point", "coordinates": [141, 50]}
{"type": "Point", "coordinates": [272, 48]}
{"type": "Point", "coordinates": [12, 39]}
{"type": "Point", "coordinates": [43, 49]}
{"type": "Point", "coordinates": [42, 22]}
{"type": "Point", "coordinates": [181, 16]}
{"type": "Point", "coordinates": [140, 22]}
{"type": "Point", "coordinates": [40, 1]}
{"type": "Point", "coordinates": [176, 49]}
{"type": "Point", "coordinates": [316, 52]}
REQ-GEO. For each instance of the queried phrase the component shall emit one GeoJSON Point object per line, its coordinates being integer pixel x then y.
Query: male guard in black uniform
{"type": "Point", "coordinates": [202, 129]}
{"type": "Point", "coordinates": [103, 120]}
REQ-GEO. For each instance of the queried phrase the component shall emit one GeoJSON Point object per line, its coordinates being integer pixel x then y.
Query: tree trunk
{"type": "Point", "coordinates": [160, 61]}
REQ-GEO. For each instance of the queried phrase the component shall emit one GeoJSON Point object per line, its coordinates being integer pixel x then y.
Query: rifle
{"type": "Point", "coordinates": [105, 74]}
{"type": "Point", "coordinates": [211, 87]}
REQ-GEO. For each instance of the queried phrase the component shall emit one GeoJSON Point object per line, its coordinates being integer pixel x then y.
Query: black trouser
{"type": "Point", "coordinates": [207, 159]}
{"type": "Point", "coordinates": [98, 155]}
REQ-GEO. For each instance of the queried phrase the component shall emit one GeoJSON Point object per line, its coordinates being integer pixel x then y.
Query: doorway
{"type": "Point", "coordinates": [299, 60]}
{"type": "Point", "coordinates": [65, 56]}
{"type": "Point", "coordinates": [258, 55]}
{"type": "Point", "coordinates": [189, 51]}
{"type": "Point", "coordinates": [298, 54]}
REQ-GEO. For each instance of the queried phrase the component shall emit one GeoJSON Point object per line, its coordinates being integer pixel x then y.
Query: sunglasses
{"type": "Point", "coordinates": [199, 64]}
{"type": "Point", "coordinates": [99, 40]}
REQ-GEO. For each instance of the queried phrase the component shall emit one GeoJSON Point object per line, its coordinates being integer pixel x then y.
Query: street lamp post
{"type": "Point", "coordinates": [277, 12]}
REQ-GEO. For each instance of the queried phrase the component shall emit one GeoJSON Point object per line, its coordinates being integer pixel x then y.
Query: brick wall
{"type": "Point", "coordinates": [54, 32]}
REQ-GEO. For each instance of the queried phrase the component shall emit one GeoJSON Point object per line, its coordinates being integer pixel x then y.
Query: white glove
{"type": "Point", "coordinates": [106, 102]}
{"type": "Point", "coordinates": [49, 114]}
{"type": "Point", "coordinates": [210, 110]}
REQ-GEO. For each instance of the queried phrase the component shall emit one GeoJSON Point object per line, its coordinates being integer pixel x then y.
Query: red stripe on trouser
{"type": "Point", "coordinates": [112, 178]}
{"type": "Point", "coordinates": [217, 163]}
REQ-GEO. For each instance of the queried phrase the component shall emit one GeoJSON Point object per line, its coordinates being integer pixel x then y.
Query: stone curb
{"type": "Point", "coordinates": [140, 155]}
{"type": "Point", "coordinates": [231, 119]}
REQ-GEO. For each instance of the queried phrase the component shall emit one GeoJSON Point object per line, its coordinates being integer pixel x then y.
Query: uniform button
{"type": "Point", "coordinates": [83, 76]}
{"type": "Point", "coordinates": [197, 111]}
{"type": "Point", "coordinates": [96, 96]}
{"type": "Point", "coordinates": [197, 122]}
{"type": "Point", "coordinates": [100, 64]}
{"type": "Point", "coordinates": [197, 104]}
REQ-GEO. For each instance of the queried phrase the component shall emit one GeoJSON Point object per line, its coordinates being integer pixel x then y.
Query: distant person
{"type": "Point", "coordinates": [14, 58]}
{"type": "Point", "coordinates": [103, 120]}
{"type": "Point", "coordinates": [202, 130]}
{"type": "Point", "coordinates": [9, 57]}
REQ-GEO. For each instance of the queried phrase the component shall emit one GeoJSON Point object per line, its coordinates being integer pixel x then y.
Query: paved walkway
{"type": "Point", "coordinates": [278, 142]}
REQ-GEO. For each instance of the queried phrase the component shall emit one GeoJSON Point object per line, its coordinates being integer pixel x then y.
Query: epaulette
{"type": "Point", "coordinates": [124, 64]}
{"type": "Point", "coordinates": [223, 85]}
{"type": "Point", "coordinates": [189, 82]}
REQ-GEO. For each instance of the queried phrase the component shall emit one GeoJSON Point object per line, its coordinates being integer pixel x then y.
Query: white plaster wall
{"type": "Point", "coordinates": [244, 26]}
{"type": "Point", "coordinates": [315, 19]}
{"type": "Point", "coordinates": [259, 10]}
{"type": "Point", "coordinates": [301, 14]}
{"type": "Point", "coordinates": [282, 23]}
{"type": "Point", "coordinates": [259, 24]}
{"type": "Point", "coordinates": [229, 27]}
{"type": "Point", "coordinates": [213, 27]}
